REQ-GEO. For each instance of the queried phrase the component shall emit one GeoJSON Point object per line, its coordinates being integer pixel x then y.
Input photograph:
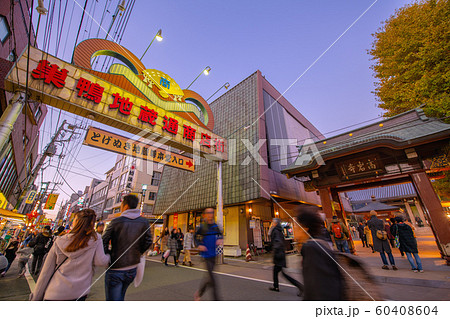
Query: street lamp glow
{"type": "Point", "coordinates": [206, 70]}
{"type": "Point", "coordinates": [158, 36]}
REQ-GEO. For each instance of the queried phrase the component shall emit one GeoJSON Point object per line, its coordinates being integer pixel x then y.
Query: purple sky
{"type": "Point", "coordinates": [235, 38]}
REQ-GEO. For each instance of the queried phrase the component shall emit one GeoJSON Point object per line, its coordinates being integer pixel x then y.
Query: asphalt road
{"type": "Point", "coordinates": [247, 282]}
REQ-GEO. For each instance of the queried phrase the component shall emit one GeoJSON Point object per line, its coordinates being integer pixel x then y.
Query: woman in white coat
{"type": "Point", "coordinates": [69, 266]}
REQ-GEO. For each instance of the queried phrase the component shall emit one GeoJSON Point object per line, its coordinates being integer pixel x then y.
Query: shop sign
{"type": "Point", "coordinates": [76, 90]}
{"type": "Point", "coordinates": [112, 142]}
{"type": "Point", "coordinates": [51, 201]}
{"type": "Point", "coordinates": [3, 201]}
{"type": "Point", "coordinates": [175, 221]}
{"type": "Point", "coordinates": [31, 197]}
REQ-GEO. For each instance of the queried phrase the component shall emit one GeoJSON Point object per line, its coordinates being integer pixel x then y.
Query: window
{"type": "Point", "coordinates": [151, 196]}
{"type": "Point", "coordinates": [123, 178]}
{"type": "Point", "coordinates": [4, 29]}
{"type": "Point", "coordinates": [8, 173]}
{"type": "Point", "coordinates": [156, 178]}
{"type": "Point", "coordinates": [118, 198]}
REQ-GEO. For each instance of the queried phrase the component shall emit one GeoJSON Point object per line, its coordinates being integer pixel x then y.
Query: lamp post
{"type": "Point", "coordinates": [205, 71]}
{"type": "Point", "coordinates": [144, 189]}
{"type": "Point", "coordinates": [158, 37]}
{"type": "Point", "coordinates": [226, 86]}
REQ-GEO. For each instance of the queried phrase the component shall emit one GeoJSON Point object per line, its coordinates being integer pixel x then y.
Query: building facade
{"type": "Point", "coordinates": [263, 130]}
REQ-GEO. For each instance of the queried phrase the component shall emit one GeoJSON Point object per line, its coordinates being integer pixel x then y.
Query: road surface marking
{"type": "Point", "coordinates": [30, 279]}
{"type": "Point", "coordinates": [230, 275]}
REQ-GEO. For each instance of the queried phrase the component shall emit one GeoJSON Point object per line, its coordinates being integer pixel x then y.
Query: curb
{"type": "Point", "coordinates": [413, 282]}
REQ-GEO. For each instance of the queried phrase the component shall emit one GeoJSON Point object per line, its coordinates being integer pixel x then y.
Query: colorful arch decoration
{"type": "Point", "coordinates": [153, 85]}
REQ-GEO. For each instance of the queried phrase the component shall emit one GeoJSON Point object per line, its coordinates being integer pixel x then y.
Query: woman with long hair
{"type": "Point", "coordinates": [69, 266]}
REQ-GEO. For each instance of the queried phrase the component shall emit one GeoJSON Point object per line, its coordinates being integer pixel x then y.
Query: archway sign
{"type": "Point", "coordinates": [129, 97]}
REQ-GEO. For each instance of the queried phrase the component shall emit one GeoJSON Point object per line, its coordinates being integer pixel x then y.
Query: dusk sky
{"type": "Point", "coordinates": [235, 38]}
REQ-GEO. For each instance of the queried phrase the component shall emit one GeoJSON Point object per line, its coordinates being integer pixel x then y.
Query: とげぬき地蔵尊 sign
{"type": "Point", "coordinates": [119, 144]}
{"type": "Point", "coordinates": [79, 91]}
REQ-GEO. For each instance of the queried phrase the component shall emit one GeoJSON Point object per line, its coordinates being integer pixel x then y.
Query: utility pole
{"type": "Point", "coordinates": [49, 150]}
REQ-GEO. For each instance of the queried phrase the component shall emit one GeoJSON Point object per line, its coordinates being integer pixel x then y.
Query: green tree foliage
{"type": "Point", "coordinates": [411, 51]}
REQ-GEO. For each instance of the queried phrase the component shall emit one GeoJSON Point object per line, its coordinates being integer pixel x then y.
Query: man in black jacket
{"type": "Point", "coordinates": [279, 256]}
{"type": "Point", "coordinates": [129, 236]}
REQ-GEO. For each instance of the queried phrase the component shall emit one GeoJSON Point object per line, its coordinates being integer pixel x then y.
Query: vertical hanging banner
{"type": "Point", "coordinates": [119, 144]}
{"type": "Point", "coordinates": [51, 201]}
{"type": "Point", "coordinates": [30, 198]}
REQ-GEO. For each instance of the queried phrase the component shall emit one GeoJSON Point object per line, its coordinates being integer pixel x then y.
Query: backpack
{"type": "Point", "coordinates": [337, 230]}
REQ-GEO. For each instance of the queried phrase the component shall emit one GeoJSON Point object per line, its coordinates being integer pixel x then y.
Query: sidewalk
{"type": "Point", "coordinates": [436, 273]}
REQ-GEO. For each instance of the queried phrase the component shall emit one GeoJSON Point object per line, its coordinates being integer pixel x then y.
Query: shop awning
{"type": "Point", "coordinates": [9, 214]}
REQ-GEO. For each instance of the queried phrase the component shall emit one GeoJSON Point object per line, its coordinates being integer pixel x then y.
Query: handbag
{"type": "Point", "coordinates": [139, 272]}
{"type": "Point", "coordinates": [166, 253]}
{"type": "Point", "coordinates": [381, 234]}
{"type": "Point", "coordinates": [397, 241]}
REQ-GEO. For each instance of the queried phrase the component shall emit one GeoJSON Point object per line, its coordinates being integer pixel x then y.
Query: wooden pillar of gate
{"type": "Point", "coordinates": [439, 223]}
{"type": "Point", "coordinates": [327, 205]}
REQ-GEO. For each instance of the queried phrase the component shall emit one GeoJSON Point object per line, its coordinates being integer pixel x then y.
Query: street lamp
{"type": "Point", "coordinates": [226, 86]}
{"type": "Point", "coordinates": [144, 189]}
{"type": "Point", "coordinates": [205, 71]}
{"type": "Point", "coordinates": [158, 37]}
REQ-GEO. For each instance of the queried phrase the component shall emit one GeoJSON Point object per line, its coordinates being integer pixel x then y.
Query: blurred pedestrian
{"type": "Point", "coordinates": [279, 256]}
{"type": "Point", "coordinates": [397, 242]}
{"type": "Point", "coordinates": [380, 240]}
{"type": "Point", "coordinates": [188, 244]}
{"type": "Point", "coordinates": [69, 266]}
{"type": "Point", "coordinates": [340, 234]}
{"type": "Point", "coordinates": [3, 263]}
{"type": "Point", "coordinates": [368, 236]}
{"type": "Point", "coordinates": [163, 240]}
{"type": "Point", "coordinates": [23, 256]}
{"type": "Point", "coordinates": [387, 228]}
{"type": "Point", "coordinates": [180, 238]}
{"type": "Point", "coordinates": [172, 247]}
{"type": "Point", "coordinates": [361, 234]}
{"type": "Point", "coordinates": [129, 236]}
{"type": "Point", "coordinates": [208, 237]}
{"type": "Point", "coordinates": [10, 253]}
{"type": "Point", "coordinates": [41, 244]}
{"type": "Point", "coordinates": [61, 231]}
{"type": "Point", "coordinates": [100, 227]}
{"type": "Point", "coordinates": [408, 243]}
{"type": "Point", "coordinates": [321, 275]}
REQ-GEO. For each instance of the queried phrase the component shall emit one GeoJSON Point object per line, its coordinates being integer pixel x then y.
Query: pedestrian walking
{"type": "Point", "coordinates": [340, 234]}
{"type": "Point", "coordinates": [172, 247]}
{"type": "Point", "coordinates": [180, 238]}
{"type": "Point", "coordinates": [408, 243]}
{"type": "Point", "coordinates": [279, 256]}
{"type": "Point", "coordinates": [369, 238]}
{"type": "Point", "coordinates": [3, 263]}
{"type": "Point", "coordinates": [129, 236]}
{"type": "Point", "coordinates": [30, 237]}
{"type": "Point", "coordinates": [188, 244]}
{"type": "Point", "coordinates": [41, 244]}
{"type": "Point", "coordinates": [208, 237]}
{"type": "Point", "coordinates": [397, 243]}
{"type": "Point", "coordinates": [10, 254]}
{"type": "Point", "coordinates": [362, 236]}
{"type": "Point", "coordinates": [23, 256]}
{"type": "Point", "coordinates": [100, 228]}
{"type": "Point", "coordinates": [380, 240]}
{"type": "Point", "coordinates": [69, 267]}
{"type": "Point", "coordinates": [321, 275]}
{"type": "Point", "coordinates": [61, 231]}
{"type": "Point", "coordinates": [391, 238]}
{"type": "Point", "coordinates": [163, 240]}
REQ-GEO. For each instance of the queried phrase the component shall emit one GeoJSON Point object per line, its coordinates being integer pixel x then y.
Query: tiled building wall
{"type": "Point", "coordinates": [233, 111]}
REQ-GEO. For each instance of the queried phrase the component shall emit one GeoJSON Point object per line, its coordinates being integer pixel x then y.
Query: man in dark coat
{"type": "Point", "coordinates": [41, 245]}
{"type": "Point", "coordinates": [382, 246]}
{"type": "Point", "coordinates": [279, 256]}
{"type": "Point", "coordinates": [408, 243]}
